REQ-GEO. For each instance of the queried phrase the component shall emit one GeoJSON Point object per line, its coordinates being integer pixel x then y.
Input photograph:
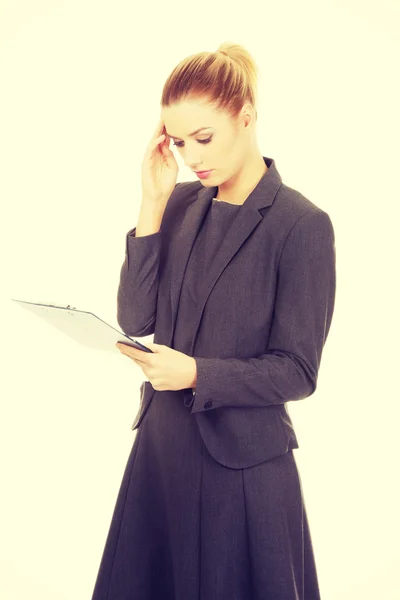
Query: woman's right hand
{"type": "Point", "coordinates": [159, 169]}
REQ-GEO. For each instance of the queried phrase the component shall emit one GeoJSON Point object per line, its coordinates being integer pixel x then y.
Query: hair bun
{"type": "Point", "coordinates": [200, 75]}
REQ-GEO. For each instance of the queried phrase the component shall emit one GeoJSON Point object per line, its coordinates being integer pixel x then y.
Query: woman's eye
{"type": "Point", "coordinates": [179, 144]}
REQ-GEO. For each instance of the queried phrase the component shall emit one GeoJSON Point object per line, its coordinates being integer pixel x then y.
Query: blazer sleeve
{"type": "Point", "coordinates": [302, 317]}
{"type": "Point", "coordinates": [139, 278]}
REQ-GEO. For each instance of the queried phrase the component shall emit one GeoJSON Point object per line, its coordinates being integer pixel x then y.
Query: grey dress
{"type": "Point", "coordinates": [172, 535]}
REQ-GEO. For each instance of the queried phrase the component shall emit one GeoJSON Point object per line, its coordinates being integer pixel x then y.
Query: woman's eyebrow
{"type": "Point", "coordinates": [190, 134]}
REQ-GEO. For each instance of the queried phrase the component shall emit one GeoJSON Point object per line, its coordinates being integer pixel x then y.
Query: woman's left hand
{"type": "Point", "coordinates": [166, 369]}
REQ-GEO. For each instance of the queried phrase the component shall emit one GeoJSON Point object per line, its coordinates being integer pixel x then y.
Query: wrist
{"type": "Point", "coordinates": [194, 379]}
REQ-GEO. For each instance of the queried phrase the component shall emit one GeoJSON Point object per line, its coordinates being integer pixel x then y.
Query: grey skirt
{"type": "Point", "coordinates": [185, 527]}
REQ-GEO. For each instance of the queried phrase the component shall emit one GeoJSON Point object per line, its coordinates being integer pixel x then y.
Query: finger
{"type": "Point", "coordinates": [159, 129]}
{"type": "Point", "coordinates": [126, 347]}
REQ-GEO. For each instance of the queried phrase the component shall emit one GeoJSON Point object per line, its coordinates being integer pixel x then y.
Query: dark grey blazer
{"type": "Point", "coordinates": [276, 267]}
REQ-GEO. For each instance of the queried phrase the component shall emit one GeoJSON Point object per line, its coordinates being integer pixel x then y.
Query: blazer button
{"type": "Point", "coordinates": [208, 404]}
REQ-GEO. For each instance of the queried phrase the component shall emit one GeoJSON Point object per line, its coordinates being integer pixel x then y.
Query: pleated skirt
{"type": "Point", "coordinates": [185, 527]}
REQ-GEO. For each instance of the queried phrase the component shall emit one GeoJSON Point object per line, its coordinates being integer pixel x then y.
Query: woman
{"type": "Point", "coordinates": [235, 276]}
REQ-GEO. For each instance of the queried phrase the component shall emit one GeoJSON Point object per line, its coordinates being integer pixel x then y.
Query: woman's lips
{"type": "Point", "coordinates": [204, 174]}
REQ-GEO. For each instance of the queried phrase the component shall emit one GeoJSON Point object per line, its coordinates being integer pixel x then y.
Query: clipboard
{"type": "Point", "coordinates": [84, 327]}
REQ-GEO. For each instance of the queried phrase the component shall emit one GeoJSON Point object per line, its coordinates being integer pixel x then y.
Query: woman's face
{"type": "Point", "coordinates": [222, 146]}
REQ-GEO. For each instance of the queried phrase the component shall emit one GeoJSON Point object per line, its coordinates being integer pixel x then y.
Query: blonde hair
{"type": "Point", "coordinates": [227, 79]}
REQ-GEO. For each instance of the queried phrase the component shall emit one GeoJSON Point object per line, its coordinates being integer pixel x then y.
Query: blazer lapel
{"type": "Point", "coordinates": [246, 220]}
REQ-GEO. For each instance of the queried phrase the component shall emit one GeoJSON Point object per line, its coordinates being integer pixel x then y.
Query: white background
{"type": "Point", "coordinates": [81, 84]}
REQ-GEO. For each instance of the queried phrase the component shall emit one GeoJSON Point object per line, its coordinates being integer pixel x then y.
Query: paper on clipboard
{"type": "Point", "coordinates": [84, 327]}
